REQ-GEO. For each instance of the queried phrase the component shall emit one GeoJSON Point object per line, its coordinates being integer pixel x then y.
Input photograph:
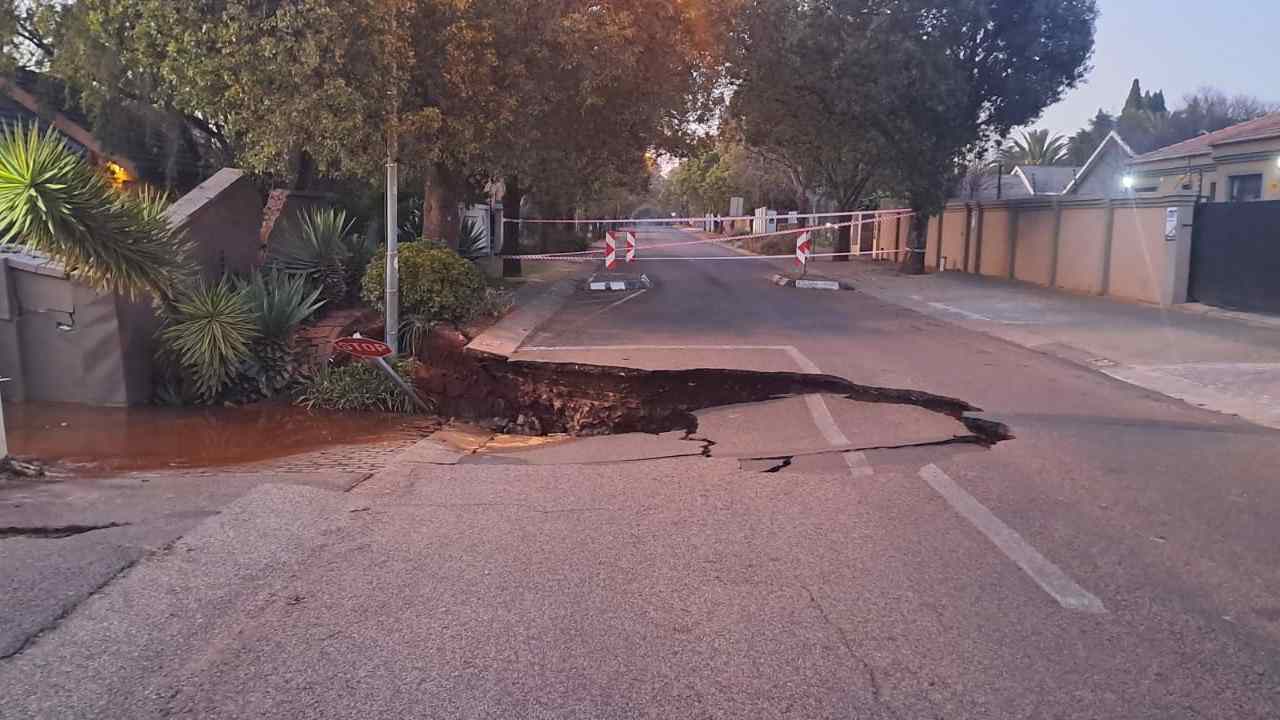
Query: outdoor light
{"type": "Point", "coordinates": [1127, 181]}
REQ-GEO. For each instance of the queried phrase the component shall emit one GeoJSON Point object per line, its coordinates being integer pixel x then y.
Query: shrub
{"type": "Point", "coordinates": [327, 251]}
{"type": "Point", "coordinates": [435, 283]}
{"type": "Point", "coordinates": [357, 386]}
{"type": "Point", "coordinates": [209, 332]}
{"type": "Point", "coordinates": [280, 302]}
{"type": "Point", "coordinates": [473, 241]}
{"type": "Point", "coordinates": [231, 342]}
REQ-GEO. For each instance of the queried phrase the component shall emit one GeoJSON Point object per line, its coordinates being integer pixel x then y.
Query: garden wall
{"type": "Point", "coordinates": [1094, 246]}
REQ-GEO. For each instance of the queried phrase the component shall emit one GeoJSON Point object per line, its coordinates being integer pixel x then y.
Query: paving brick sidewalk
{"type": "Point", "coordinates": [1219, 360]}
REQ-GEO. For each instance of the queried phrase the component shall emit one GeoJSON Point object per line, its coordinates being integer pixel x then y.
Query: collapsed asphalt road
{"type": "Point", "coordinates": [586, 400]}
{"type": "Point", "coordinates": [1119, 560]}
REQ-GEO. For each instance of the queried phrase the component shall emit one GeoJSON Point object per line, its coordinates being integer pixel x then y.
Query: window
{"type": "Point", "coordinates": [1213, 192]}
{"type": "Point", "coordinates": [1246, 188]}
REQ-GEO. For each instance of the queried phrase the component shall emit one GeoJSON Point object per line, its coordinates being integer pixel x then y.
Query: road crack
{"type": "Point", "coordinates": [872, 679]}
{"type": "Point", "coordinates": [53, 532]}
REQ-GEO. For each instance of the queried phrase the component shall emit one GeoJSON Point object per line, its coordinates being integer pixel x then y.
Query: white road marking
{"type": "Point", "coordinates": [858, 464]}
{"type": "Point", "coordinates": [628, 298]}
{"type": "Point", "coordinates": [806, 365]}
{"type": "Point", "coordinates": [977, 316]}
{"type": "Point", "coordinates": [826, 423]}
{"type": "Point", "coordinates": [1048, 576]}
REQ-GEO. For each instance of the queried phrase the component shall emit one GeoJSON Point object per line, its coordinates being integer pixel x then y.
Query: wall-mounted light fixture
{"type": "Point", "coordinates": [1127, 181]}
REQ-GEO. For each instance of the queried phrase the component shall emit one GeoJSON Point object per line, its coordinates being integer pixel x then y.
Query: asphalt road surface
{"type": "Point", "coordinates": [1119, 559]}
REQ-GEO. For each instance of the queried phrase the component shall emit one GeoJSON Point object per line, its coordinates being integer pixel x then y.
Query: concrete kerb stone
{"type": "Point", "coordinates": [534, 307]}
{"type": "Point", "coordinates": [810, 283]}
{"type": "Point", "coordinates": [617, 283]}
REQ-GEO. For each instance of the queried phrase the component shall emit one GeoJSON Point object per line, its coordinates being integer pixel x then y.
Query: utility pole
{"type": "Point", "coordinates": [392, 299]}
{"type": "Point", "coordinates": [4, 444]}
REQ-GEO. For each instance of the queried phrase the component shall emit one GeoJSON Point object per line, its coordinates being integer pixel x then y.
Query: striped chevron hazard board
{"type": "Point", "coordinates": [610, 250]}
{"type": "Point", "coordinates": [631, 246]}
{"type": "Point", "coordinates": [804, 248]}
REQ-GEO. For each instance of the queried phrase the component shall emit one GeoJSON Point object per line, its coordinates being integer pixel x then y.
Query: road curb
{"type": "Point", "coordinates": [531, 312]}
{"type": "Point", "coordinates": [620, 284]}
{"type": "Point", "coordinates": [814, 283]}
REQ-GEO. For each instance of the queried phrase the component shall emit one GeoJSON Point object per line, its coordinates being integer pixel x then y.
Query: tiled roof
{"type": "Point", "coordinates": [992, 187]}
{"type": "Point", "coordinates": [1258, 128]}
{"type": "Point", "coordinates": [1048, 178]}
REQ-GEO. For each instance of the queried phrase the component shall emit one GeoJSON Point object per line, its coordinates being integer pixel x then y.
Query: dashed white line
{"type": "Point", "coordinates": [1048, 576]}
{"type": "Point", "coordinates": [858, 464]}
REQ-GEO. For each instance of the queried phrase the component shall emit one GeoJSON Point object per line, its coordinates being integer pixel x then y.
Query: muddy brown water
{"type": "Point", "coordinates": [92, 440]}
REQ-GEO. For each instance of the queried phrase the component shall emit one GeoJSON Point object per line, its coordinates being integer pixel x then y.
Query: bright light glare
{"type": "Point", "coordinates": [1127, 181]}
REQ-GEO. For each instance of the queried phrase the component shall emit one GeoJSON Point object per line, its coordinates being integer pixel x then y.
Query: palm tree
{"type": "Point", "coordinates": [1035, 147]}
{"type": "Point", "coordinates": [54, 202]}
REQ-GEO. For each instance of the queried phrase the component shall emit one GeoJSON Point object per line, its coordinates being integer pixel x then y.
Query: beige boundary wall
{"type": "Point", "coordinates": [1093, 246]}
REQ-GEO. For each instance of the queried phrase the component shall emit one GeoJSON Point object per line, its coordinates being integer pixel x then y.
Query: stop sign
{"type": "Point", "coordinates": [363, 347]}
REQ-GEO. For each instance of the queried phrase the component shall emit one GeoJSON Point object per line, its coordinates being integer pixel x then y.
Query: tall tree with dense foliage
{"type": "Point", "coordinates": [461, 92]}
{"type": "Point", "coordinates": [911, 88]}
{"type": "Point", "coordinates": [804, 74]}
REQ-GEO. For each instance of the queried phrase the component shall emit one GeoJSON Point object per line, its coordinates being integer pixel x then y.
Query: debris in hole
{"type": "Point", "coordinates": [54, 532]}
{"type": "Point", "coordinates": [20, 468]}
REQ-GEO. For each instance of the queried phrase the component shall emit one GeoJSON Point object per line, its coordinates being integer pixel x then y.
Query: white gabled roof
{"type": "Point", "coordinates": [1112, 136]}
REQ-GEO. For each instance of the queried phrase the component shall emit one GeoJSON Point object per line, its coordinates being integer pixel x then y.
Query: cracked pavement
{"type": "Point", "coordinates": [560, 581]}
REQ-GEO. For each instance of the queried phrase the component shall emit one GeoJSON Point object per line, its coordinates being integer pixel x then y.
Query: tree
{"type": "Point", "coordinates": [807, 92]}
{"type": "Point", "coordinates": [1147, 124]}
{"type": "Point", "coordinates": [1086, 140]}
{"type": "Point", "coordinates": [969, 72]}
{"type": "Point", "coordinates": [1136, 102]}
{"type": "Point", "coordinates": [598, 85]}
{"type": "Point", "coordinates": [1035, 147]}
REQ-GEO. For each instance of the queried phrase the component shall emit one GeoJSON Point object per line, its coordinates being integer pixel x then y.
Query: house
{"type": "Point", "coordinates": [1100, 177]}
{"type": "Point", "coordinates": [1240, 163]}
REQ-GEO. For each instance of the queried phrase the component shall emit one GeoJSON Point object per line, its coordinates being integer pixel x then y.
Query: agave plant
{"type": "Point", "coordinates": [321, 249]}
{"type": "Point", "coordinates": [54, 202]}
{"type": "Point", "coordinates": [280, 302]}
{"type": "Point", "coordinates": [211, 332]}
{"type": "Point", "coordinates": [473, 241]}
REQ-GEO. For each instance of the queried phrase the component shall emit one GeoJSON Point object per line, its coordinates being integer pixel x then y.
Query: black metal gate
{"type": "Point", "coordinates": [1235, 256]}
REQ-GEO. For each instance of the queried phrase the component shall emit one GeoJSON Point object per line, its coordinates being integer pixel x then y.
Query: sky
{"type": "Point", "coordinates": [1177, 46]}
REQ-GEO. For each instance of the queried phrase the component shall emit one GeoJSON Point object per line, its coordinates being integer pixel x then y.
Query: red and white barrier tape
{"type": "Point", "coordinates": [594, 255]}
{"type": "Point", "coordinates": [716, 257]}
{"type": "Point", "coordinates": [696, 220]}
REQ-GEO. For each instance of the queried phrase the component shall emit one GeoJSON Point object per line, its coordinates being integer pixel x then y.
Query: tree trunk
{"type": "Point", "coordinates": [917, 241]}
{"type": "Point", "coordinates": [306, 170]}
{"type": "Point", "coordinates": [440, 220]}
{"type": "Point", "coordinates": [512, 197]}
{"type": "Point", "coordinates": [844, 240]}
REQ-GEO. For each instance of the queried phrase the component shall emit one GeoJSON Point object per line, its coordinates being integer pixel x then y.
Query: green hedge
{"type": "Point", "coordinates": [435, 283]}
